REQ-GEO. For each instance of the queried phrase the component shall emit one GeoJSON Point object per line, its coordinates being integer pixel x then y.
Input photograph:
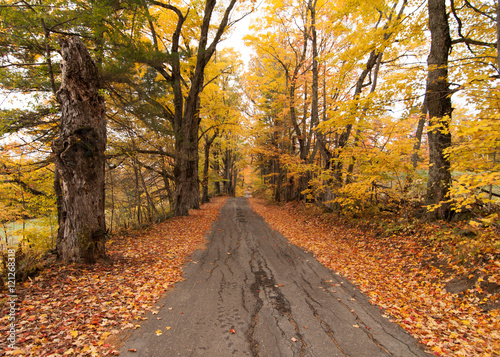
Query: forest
{"type": "Point", "coordinates": [361, 108]}
{"type": "Point", "coordinates": [382, 113]}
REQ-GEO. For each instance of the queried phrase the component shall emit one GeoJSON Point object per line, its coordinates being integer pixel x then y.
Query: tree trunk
{"type": "Point", "coordinates": [187, 186]}
{"type": "Point", "coordinates": [204, 183]}
{"type": "Point", "coordinates": [138, 203]}
{"type": "Point", "coordinates": [439, 106]}
{"type": "Point", "coordinates": [186, 116]}
{"type": "Point", "coordinates": [277, 176]}
{"type": "Point", "coordinates": [152, 210]}
{"type": "Point", "coordinates": [206, 165]}
{"type": "Point", "coordinates": [216, 169]}
{"type": "Point", "coordinates": [228, 172]}
{"type": "Point", "coordinates": [235, 180]}
{"type": "Point", "coordinates": [79, 157]}
{"type": "Point", "coordinates": [166, 181]}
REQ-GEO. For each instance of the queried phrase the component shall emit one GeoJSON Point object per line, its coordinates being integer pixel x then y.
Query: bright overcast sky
{"type": "Point", "coordinates": [235, 39]}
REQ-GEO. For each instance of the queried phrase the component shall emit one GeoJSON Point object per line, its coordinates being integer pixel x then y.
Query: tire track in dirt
{"type": "Point", "coordinates": [252, 293]}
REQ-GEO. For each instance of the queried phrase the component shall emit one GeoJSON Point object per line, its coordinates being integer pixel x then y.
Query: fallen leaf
{"type": "Point", "coordinates": [407, 273]}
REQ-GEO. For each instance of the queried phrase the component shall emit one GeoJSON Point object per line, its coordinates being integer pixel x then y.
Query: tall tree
{"type": "Point", "coordinates": [186, 109]}
{"type": "Point", "coordinates": [438, 100]}
{"type": "Point", "coordinates": [169, 53]}
{"type": "Point", "coordinates": [79, 156]}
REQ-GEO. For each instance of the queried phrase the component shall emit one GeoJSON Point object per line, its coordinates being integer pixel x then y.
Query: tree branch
{"type": "Point", "coordinates": [26, 187]}
{"type": "Point", "coordinates": [470, 41]}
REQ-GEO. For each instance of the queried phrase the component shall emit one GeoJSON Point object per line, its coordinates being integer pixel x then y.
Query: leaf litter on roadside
{"type": "Point", "coordinates": [73, 309]}
{"type": "Point", "coordinates": [407, 276]}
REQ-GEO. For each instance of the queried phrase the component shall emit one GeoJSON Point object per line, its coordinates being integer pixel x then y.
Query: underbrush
{"type": "Point", "coordinates": [34, 250]}
{"type": "Point", "coordinates": [82, 310]}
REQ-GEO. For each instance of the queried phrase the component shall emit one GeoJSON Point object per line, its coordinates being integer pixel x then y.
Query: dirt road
{"type": "Point", "coordinates": [252, 293]}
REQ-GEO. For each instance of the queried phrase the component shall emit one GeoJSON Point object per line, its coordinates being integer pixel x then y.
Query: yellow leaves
{"type": "Point", "coordinates": [437, 349]}
{"type": "Point", "coordinates": [105, 335]}
{"type": "Point", "coordinates": [74, 333]}
{"type": "Point", "coordinates": [159, 332]}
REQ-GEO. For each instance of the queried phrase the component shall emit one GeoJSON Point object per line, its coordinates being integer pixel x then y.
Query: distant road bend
{"type": "Point", "coordinates": [252, 293]}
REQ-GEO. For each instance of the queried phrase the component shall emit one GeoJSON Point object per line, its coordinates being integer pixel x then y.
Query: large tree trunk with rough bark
{"type": "Point", "coordinates": [439, 107]}
{"type": "Point", "coordinates": [186, 116]}
{"type": "Point", "coordinates": [206, 166]}
{"type": "Point", "coordinates": [79, 157]}
{"type": "Point", "coordinates": [187, 183]}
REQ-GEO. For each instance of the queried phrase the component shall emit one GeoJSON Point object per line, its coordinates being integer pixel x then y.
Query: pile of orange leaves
{"type": "Point", "coordinates": [72, 310]}
{"type": "Point", "coordinates": [406, 275]}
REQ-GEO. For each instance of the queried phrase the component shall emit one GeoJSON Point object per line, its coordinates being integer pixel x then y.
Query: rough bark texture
{"type": "Point", "coordinates": [187, 183]}
{"type": "Point", "coordinates": [206, 166]}
{"type": "Point", "coordinates": [187, 121]}
{"type": "Point", "coordinates": [439, 108]}
{"type": "Point", "coordinates": [79, 157]}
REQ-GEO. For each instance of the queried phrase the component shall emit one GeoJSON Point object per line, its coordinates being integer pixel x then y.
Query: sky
{"type": "Point", "coordinates": [235, 38]}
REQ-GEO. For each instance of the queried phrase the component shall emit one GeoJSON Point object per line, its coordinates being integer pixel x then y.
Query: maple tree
{"type": "Point", "coordinates": [26, 191]}
{"type": "Point", "coordinates": [156, 79]}
{"type": "Point", "coordinates": [220, 112]}
{"type": "Point", "coordinates": [340, 121]}
{"type": "Point", "coordinates": [438, 102]}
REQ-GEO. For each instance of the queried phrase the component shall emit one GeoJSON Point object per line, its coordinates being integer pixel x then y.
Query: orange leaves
{"type": "Point", "coordinates": [407, 276]}
{"type": "Point", "coordinates": [76, 310]}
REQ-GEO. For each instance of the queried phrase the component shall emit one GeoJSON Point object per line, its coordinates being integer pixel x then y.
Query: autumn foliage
{"type": "Point", "coordinates": [75, 310]}
{"type": "Point", "coordinates": [419, 275]}
{"type": "Point", "coordinates": [346, 106]}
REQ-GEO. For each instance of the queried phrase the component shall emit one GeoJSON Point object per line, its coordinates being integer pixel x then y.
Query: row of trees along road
{"type": "Point", "coordinates": [344, 91]}
{"type": "Point", "coordinates": [152, 59]}
{"type": "Point", "coordinates": [341, 91]}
